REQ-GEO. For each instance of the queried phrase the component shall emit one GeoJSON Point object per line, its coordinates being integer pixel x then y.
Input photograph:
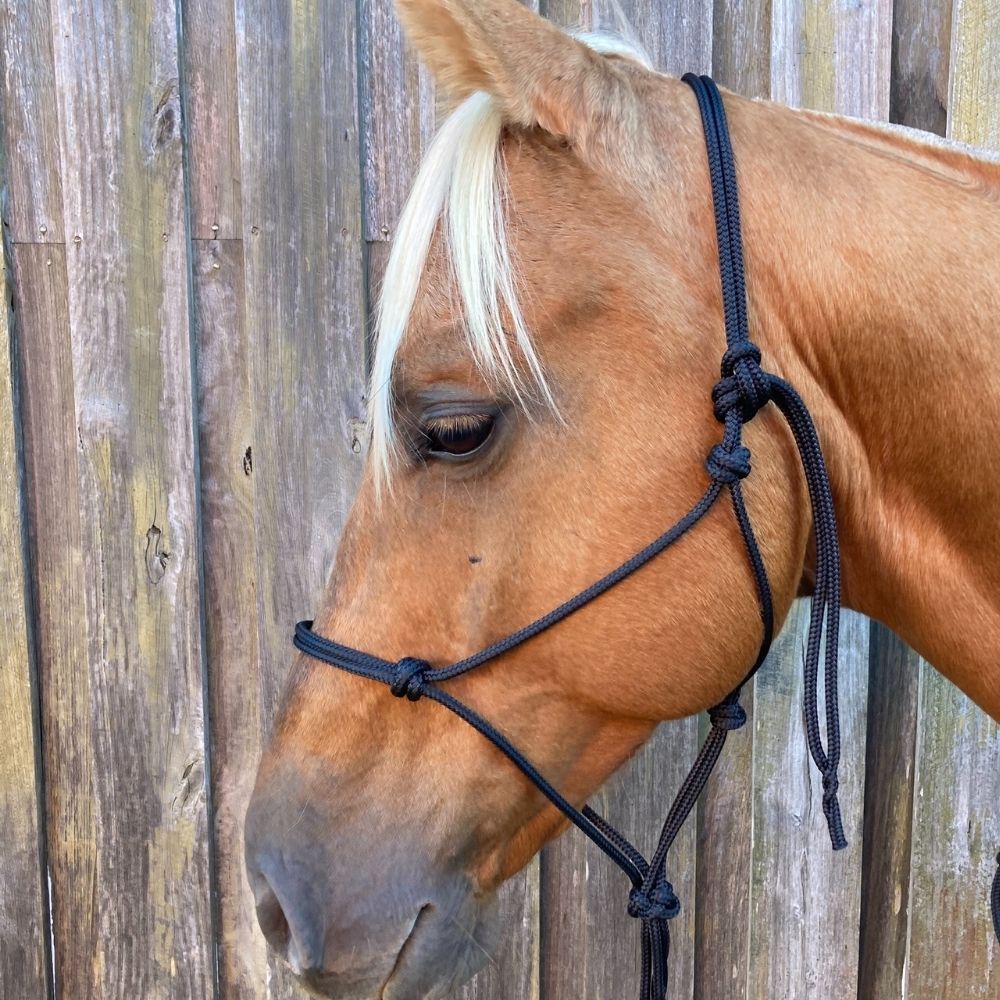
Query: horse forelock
{"type": "Point", "coordinates": [460, 193]}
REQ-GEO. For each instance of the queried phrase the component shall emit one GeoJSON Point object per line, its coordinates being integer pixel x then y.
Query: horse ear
{"type": "Point", "coordinates": [539, 74]}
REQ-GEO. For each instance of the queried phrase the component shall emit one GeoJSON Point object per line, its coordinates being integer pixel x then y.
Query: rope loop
{"type": "Point", "coordinates": [408, 680]}
{"type": "Point", "coordinates": [728, 466]}
{"type": "Point", "coordinates": [744, 383]}
{"type": "Point", "coordinates": [659, 904]}
{"type": "Point", "coordinates": [728, 716]}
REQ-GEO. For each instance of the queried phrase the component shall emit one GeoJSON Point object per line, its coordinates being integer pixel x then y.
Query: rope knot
{"type": "Point", "coordinates": [408, 681]}
{"type": "Point", "coordinates": [659, 904]}
{"type": "Point", "coordinates": [831, 785]}
{"type": "Point", "coordinates": [728, 716]}
{"type": "Point", "coordinates": [728, 466]}
{"type": "Point", "coordinates": [744, 383]}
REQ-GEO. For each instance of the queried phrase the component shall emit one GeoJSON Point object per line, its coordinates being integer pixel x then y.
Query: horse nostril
{"type": "Point", "coordinates": [272, 919]}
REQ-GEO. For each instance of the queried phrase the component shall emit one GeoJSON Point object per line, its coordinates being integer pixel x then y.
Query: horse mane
{"type": "Point", "coordinates": [460, 192]}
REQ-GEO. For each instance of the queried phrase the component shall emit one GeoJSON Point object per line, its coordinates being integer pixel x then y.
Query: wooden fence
{"type": "Point", "coordinates": [198, 196]}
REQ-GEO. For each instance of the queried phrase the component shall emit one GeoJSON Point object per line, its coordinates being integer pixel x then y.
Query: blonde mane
{"type": "Point", "coordinates": [461, 189]}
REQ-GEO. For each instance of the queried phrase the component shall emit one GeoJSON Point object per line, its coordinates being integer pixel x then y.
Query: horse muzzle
{"type": "Point", "coordinates": [357, 913]}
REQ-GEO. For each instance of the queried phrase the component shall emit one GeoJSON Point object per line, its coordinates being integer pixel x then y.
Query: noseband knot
{"type": "Point", "coordinates": [659, 904]}
{"type": "Point", "coordinates": [744, 383]}
{"type": "Point", "coordinates": [409, 679]}
{"type": "Point", "coordinates": [728, 716]}
{"type": "Point", "coordinates": [728, 466]}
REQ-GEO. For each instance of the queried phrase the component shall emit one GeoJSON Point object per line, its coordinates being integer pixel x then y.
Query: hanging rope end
{"type": "Point", "coordinates": [831, 809]}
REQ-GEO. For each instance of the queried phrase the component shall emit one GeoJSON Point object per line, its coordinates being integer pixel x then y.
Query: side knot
{"type": "Point", "coordinates": [728, 716]}
{"type": "Point", "coordinates": [744, 383]}
{"type": "Point", "coordinates": [408, 681]}
{"type": "Point", "coordinates": [831, 785]}
{"type": "Point", "coordinates": [728, 466]}
{"type": "Point", "coordinates": [659, 904]}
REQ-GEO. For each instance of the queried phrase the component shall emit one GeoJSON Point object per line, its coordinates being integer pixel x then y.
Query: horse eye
{"type": "Point", "coordinates": [457, 436]}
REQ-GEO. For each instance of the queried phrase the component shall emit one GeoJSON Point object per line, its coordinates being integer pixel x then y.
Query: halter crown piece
{"type": "Point", "coordinates": [742, 391]}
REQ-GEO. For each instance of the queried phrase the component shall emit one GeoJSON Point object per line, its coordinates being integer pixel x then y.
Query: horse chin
{"type": "Point", "coordinates": [445, 948]}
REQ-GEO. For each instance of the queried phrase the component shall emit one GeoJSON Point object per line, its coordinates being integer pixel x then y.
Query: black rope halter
{"type": "Point", "coordinates": [742, 391]}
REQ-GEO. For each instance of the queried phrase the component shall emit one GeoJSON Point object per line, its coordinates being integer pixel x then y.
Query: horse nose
{"type": "Point", "coordinates": [288, 913]}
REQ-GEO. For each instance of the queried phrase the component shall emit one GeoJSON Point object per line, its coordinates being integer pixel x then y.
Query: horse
{"type": "Point", "coordinates": [547, 338]}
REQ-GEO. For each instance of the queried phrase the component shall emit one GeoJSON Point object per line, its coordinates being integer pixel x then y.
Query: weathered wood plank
{"type": "Point", "coordinates": [392, 117]}
{"type": "Point", "coordinates": [832, 56]}
{"type": "Point", "coordinates": [120, 131]}
{"type": "Point", "coordinates": [956, 828]}
{"type": "Point", "coordinates": [890, 764]}
{"type": "Point", "coordinates": [675, 34]}
{"type": "Point", "coordinates": [953, 953]}
{"type": "Point", "coordinates": [918, 96]}
{"type": "Point", "coordinates": [304, 311]}
{"type": "Point", "coordinates": [33, 210]}
{"type": "Point", "coordinates": [742, 46]}
{"type": "Point", "coordinates": [211, 119]}
{"type": "Point", "coordinates": [568, 13]}
{"type": "Point", "coordinates": [921, 48]}
{"type": "Point", "coordinates": [226, 453]}
{"type": "Point", "coordinates": [973, 112]}
{"type": "Point", "coordinates": [515, 972]}
{"type": "Point", "coordinates": [48, 414]}
{"type": "Point", "coordinates": [24, 960]}
{"type": "Point", "coordinates": [801, 890]}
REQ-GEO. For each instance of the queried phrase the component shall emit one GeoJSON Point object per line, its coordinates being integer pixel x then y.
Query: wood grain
{"type": "Point", "coordinates": [741, 53]}
{"type": "Point", "coordinates": [120, 134]}
{"type": "Point", "coordinates": [893, 707]}
{"type": "Point", "coordinates": [225, 422]}
{"type": "Point", "coordinates": [225, 429]}
{"type": "Point", "coordinates": [973, 113]}
{"type": "Point", "coordinates": [24, 958]}
{"type": "Point", "coordinates": [918, 97]}
{"type": "Point", "coordinates": [211, 118]}
{"type": "Point", "coordinates": [921, 50]}
{"type": "Point", "coordinates": [675, 34]}
{"type": "Point", "coordinates": [394, 119]}
{"type": "Point", "coordinates": [48, 415]}
{"type": "Point", "coordinates": [801, 889]}
{"type": "Point", "coordinates": [952, 951]}
{"type": "Point", "coordinates": [32, 211]}
{"type": "Point", "coordinates": [303, 314]}
{"type": "Point", "coordinates": [832, 56]}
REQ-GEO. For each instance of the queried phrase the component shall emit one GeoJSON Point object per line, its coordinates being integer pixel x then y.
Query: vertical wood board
{"type": "Point", "coordinates": [128, 302]}
{"type": "Point", "coordinates": [23, 910]}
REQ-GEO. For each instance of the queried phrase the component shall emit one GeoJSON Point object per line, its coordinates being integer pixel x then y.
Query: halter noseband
{"type": "Point", "coordinates": [742, 391]}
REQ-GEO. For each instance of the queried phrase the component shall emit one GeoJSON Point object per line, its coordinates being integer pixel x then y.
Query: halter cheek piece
{"type": "Point", "coordinates": [742, 391]}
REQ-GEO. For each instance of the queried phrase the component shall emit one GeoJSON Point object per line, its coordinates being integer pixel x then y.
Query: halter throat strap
{"type": "Point", "coordinates": [742, 391]}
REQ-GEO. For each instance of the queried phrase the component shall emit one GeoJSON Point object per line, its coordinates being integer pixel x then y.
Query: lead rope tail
{"type": "Point", "coordinates": [824, 617]}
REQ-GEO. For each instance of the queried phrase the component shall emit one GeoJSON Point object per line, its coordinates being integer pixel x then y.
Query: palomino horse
{"type": "Point", "coordinates": [548, 338]}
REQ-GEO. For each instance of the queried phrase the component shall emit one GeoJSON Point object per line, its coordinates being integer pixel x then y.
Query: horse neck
{"type": "Point", "coordinates": [875, 283]}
